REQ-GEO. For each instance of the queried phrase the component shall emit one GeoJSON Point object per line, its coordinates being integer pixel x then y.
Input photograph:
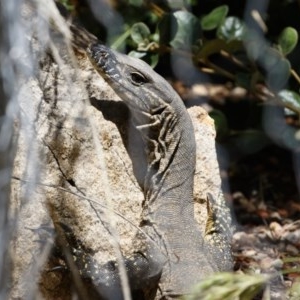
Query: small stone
{"type": "Point", "coordinates": [291, 237]}
{"type": "Point", "coordinates": [250, 253]}
{"type": "Point", "coordinates": [276, 230]}
{"type": "Point", "coordinates": [291, 249]}
{"type": "Point", "coordinates": [276, 216]}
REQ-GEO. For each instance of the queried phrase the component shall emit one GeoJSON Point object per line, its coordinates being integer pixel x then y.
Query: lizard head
{"type": "Point", "coordinates": [145, 92]}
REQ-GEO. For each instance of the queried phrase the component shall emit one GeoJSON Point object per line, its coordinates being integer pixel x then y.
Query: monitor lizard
{"type": "Point", "coordinates": [176, 256]}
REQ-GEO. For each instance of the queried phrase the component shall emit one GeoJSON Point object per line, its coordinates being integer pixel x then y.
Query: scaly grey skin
{"type": "Point", "coordinates": [218, 232]}
{"type": "Point", "coordinates": [182, 258]}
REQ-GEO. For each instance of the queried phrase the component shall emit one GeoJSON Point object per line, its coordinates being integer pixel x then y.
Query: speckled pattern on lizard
{"type": "Point", "coordinates": [176, 256]}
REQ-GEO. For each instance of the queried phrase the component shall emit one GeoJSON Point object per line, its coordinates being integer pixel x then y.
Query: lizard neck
{"type": "Point", "coordinates": [171, 154]}
{"type": "Point", "coordinates": [168, 209]}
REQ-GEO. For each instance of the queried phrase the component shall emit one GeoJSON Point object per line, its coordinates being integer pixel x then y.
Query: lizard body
{"type": "Point", "coordinates": [182, 257]}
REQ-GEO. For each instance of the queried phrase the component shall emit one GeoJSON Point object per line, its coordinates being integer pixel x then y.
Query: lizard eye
{"type": "Point", "coordinates": [137, 78]}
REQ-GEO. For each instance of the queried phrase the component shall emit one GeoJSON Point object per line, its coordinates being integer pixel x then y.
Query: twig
{"type": "Point", "coordinates": [233, 59]}
{"type": "Point", "coordinates": [217, 69]}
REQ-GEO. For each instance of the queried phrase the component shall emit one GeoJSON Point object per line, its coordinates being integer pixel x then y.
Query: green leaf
{"type": "Point", "coordinates": [137, 54]}
{"type": "Point", "coordinates": [294, 292]}
{"type": "Point", "coordinates": [67, 4]}
{"type": "Point", "coordinates": [270, 58]}
{"type": "Point", "coordinates": [119, 43]}
{"type": "Point", "coordinates": [278, 75]}
{"type": "Point", "coordinates": [228, 286]}
{"type": "Point", "coordinates": [176, 4]}
{"type": "Point", "coordinates": [216, 45]}
{"type": "Point", "coordinates": [136, 3]}
{"type": "Point", "coordinates": [288, 40]}
{"type": "Point", "coordinates": [188, 30]}
{"type": "Point", "coordinates": [152, 59]}
{"type": "Point", "coordinates": [231, 29]}
{"type": "Point", "coordinates": [214, 18]}
{"type": "Point", "coordinates": [155, 37]}
{"type": "Point", "coordinates": [289, 97]}
{"type": "Point", "coordinates": [140, 33]}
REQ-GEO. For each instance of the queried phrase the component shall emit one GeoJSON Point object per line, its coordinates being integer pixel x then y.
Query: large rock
{"type": "Point", "coordinates": [72, 166]}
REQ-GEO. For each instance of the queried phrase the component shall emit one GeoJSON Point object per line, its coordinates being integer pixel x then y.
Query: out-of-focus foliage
{"type": "Point", "coordinates": [228, 286]}
{"type": "Point", "coordinates": [295, 291]}
{"type": "Point", "coordinates": [67, 4]}
{"type": "Point", "coordinates": [288, 40]}
{"type": "Point", "coordinates": [214, 19]}
{"type": "Point", "coordinates": [257, 55]}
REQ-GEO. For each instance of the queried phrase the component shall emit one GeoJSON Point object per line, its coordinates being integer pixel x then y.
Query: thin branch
{"type": "Point", "coordinates": [218, 69]}
{"type": "Point", "coordinates": [234, 59]}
